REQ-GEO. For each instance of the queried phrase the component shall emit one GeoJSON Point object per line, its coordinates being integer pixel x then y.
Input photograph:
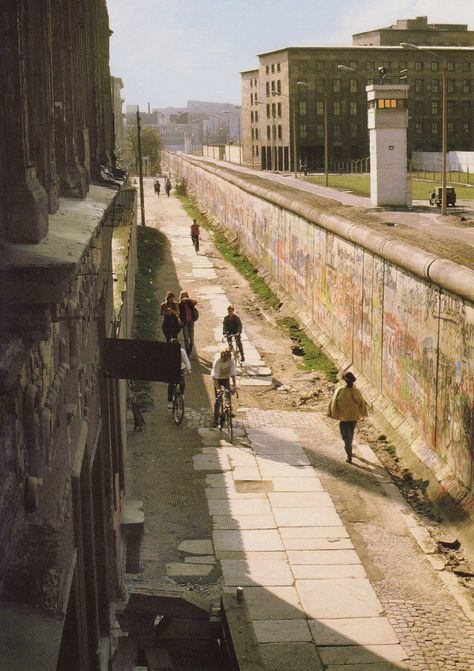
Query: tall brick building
{"type": "Point", "coordinates": [61, 438]}
{"type": "Point", "coordinates": [299, 96]}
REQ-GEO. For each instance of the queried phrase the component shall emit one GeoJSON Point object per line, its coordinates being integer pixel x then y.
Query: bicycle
{"type": "Point", "coordinates": [178, 404]}
{"type": "Point", "coordinates": [229, 339]}
{"type": "Point", "coordinates": [138, 419]}
{"type": "Point", "coordinates": [224, 412]}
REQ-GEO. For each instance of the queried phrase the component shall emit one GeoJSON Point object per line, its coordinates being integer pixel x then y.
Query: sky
{"type": "Point", "coordinates": [170, 51]}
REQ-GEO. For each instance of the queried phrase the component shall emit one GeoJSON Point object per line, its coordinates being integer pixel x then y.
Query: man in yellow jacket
{"type": "Point", "coordinates": [348, 406]}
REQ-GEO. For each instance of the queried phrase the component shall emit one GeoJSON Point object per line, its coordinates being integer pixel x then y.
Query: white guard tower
{"type": "Point", "coordinates": [388, 122]}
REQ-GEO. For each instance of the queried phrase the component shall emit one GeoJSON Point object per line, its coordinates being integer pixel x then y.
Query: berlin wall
{"type": "Point", "coordinates": [403, 318]}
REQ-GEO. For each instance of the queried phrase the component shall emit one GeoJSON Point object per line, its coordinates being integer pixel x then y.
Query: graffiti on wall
{"type": "Point", "coordinates": [411, 340]}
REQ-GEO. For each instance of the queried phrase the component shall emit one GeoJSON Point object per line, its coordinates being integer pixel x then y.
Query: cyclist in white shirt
{"type": "Point", "coordinates": [223, 371]}
{"type": "Point", "coordinates": [185, 369]}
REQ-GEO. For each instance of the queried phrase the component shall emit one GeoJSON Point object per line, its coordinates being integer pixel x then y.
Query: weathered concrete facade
{"type": "Point", "coordinates": [61, 420]}
{"type": "Point", "coordinates": [402, 317]}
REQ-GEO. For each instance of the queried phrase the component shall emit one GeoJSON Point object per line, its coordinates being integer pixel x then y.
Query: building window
{"type": "Point", "coordinates": [354, 65]}
{"type": "Point", "coordinates": [319, 108]}
{"type": "Point", "coordinates": [466, 67]}
{"type": "Point", "coordinates": [256, 116]}
{"type": "Point", "coordinates": [418, 65]}
{"type": "Point", "coordinates": [353, 108]}
{"type": "Point", "coordinates": [251, 98]}
{"type": "Point", "coordinates": [435, 107]}
{"type": "Point", "coordinates": [466, 86]}
{"type": "Point", "coordinates": [450, 85]}
{"type": "Point", "coordinates": [403, 65]}
{"type": "Point", "coordinates": [319, 66]}
{"type": "Point", "coordinates": [302, 108]}
{"type": "Point", "coordinates": [278, 67]}
{"type": "Point", "coordinates": [251, 117]}
{"type": "Point", "coordinates": [353, 85]}
{"type": "Point", "coordinates": [419, 128]}
{"type": "Point", "coordinates": [252, 134]}
{"type": "Point", "coordinates": [450, 66]}
{"type": "Point", "coordinates": [279, 132]}
{"type": "Point", "coordinates": [279, 86]}
{"type": "Point", "coordinates": [273, 68]}
{"type": "Point", "coordinates": [303, 131]}
{"type": "Point", "coordinates": [256, 133]}
{"type": "Point", "coordinates": [337, 130]}
{"type": "Point", "coordinates": [303, 66]}
{"type": "Point", "coordinates": [336, 108]}
{"type": "Point", "coordinates": [451, 107]}
{"type": "Point", "coordinates": [435, 128]}
{"type": "Point", "coordinates": [268, 110]}
{"type": "Point", "coordinates": [268, 133]}
{"type": "Point", "coordinates": [273, 87]}
{"type": "Point", "coordinates": [354, 130]}
{"type": "Point", "coordinates": [466, 128]}
{"type": "Point", "coordinates": [319, 130]}
{"type": "Point", "coordinates": [279, 109]}
{"type": "Point", "coordinates": [267, 69]}
{"type": "Point", "coordinates": [419, 86]}
{"type": "Point", "coordinates": [435, 86]}
{"type": "Point", "coordinates": [255, 98]}
{"type": "Point", "coordinates": [434, 66]}
{"type": "Point", "coordinates": [466, 105]}
{"type": "Point", "coordinates": [274, 132]}
{"type": "Point", "coordinates": [419, 107]}
{"type": "Point", "coordinates": [319, 85]}
{"type": "Point", "coordinates": [450, 127]}
{"type": "Point", "coordinates": [273, 110]}
{"type": "Point", "coordinates": [256, 149]}
{"type": "Point", "coordinates": [370, 66]}
{"type": "Point", "coordinates": [336, 85]}
{"type": "Point", "coordinates": [267, 88]}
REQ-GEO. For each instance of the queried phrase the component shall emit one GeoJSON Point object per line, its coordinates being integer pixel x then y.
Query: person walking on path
{"type": "Point", "coordinates": [187, 315]}
{"type": "Point", "coordinates": [195, 233]}
{"type": "Point", "coordinates": [169, 309]}
{"type": "Point", "coordinates": [185, 370]}
{"type": "Point", "coordinates": [232, 326]}
{"type": "Point", "coordinates": [348, 406]}
{"type": "Point", "coordinates": [223, 371]}
{"type": "Point", "coordinates": [168, 186]}
{"type": "Point", "coordinates": [157, 187]}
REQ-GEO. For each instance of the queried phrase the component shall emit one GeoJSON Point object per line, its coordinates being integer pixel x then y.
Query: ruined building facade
{"type": "Point", "coordinates": [61, 427]}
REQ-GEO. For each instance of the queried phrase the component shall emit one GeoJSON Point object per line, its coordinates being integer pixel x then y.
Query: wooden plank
{"type": "Point", "coordinates": [126, 655]}
{"type": "Point", "coordinates": [158, 659]}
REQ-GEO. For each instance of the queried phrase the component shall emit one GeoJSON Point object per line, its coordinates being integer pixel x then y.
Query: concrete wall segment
{"type": "Point", "coordinates": [400, 316]}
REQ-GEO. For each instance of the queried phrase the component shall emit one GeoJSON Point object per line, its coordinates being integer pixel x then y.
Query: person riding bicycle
{"type": "Point", "coordinates": [195, 233]}
{"type": "Point", "coordinates": [223, 371]}
{"type": "Point", "coordinates": [232, 326]}
{"type": "Point", "coordinates": [185, 370]}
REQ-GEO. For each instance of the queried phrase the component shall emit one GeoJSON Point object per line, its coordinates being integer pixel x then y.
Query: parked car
{"type": "Point", "coordinates": [436, 196]}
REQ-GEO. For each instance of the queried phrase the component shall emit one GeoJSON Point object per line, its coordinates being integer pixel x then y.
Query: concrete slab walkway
{"type": "Point", "coordinates": [276, 516]}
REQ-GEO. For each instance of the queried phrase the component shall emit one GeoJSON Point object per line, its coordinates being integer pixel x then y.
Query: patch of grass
{"type": "Point", "coordinates": [232, 254]}
{"type": "Point", "coordinates": [151, 245]}
{"type": "Point", "coordinates": [314, 357]}
{"type": "Point", "coordinates": [359, 185]}
{"type": "Point", "coordinates": [121, 236]}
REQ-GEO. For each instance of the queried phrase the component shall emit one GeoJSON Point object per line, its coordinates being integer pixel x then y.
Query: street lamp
{"type": "Point", "coordinates": [444, 118]}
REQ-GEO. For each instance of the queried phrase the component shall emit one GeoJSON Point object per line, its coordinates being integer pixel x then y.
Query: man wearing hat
{"type": "Point", "coordinates": [348, 406]}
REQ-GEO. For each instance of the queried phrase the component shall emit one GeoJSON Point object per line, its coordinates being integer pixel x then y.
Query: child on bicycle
{"type": "Point", "coordinates": [223, 371]}
{"type": "Point", "coordinates": [232, 326]}
{"type": "Point", "coordinates": [185, 370]}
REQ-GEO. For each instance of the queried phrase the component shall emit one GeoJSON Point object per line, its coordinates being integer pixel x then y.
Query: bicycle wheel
{"type": "Point", "coordinates": [178, 407]}
{"type": "Point", "coordinates": [228, 424]}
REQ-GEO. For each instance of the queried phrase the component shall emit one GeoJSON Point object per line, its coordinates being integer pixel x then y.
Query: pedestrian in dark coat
{"type": "Point", "coordinates": [186, 314]}
{"type": "Point", "coordinates": [171, 324]}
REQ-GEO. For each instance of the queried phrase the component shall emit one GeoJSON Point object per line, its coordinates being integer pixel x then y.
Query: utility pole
{"type": "Point", "coordinates": [140, 168]}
